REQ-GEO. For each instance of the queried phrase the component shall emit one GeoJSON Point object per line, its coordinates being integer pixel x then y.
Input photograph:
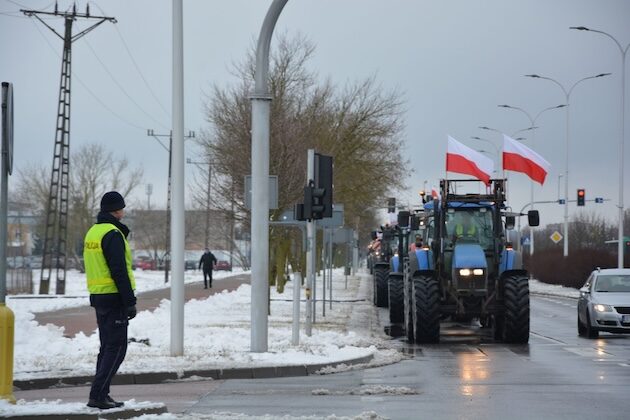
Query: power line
{"type": "Point", "coordinates": [137, 67]}
{"type": "Point", "coordinates": [87, 89]}
{"type": "Point", "coordinates": [121, 87]}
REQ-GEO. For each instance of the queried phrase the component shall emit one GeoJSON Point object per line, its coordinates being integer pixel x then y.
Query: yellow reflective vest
{"type": "Point", "coordinates": [99, 278]}
{"type": "Point", "coordinates": [471, 231]}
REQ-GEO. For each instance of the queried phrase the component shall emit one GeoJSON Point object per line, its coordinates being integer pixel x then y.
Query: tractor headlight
{"type": "Point", "coordinates": [478, 272]}
{"type": "Point", "coordinates": [465, 272]}
{"type": "Point", "coordinates": [602, 308]}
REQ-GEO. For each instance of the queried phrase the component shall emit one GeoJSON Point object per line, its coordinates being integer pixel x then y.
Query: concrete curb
{"type": "Point", "coordinates": [96, 414]}
{"type": "Point", "coordinates": [162, 377]}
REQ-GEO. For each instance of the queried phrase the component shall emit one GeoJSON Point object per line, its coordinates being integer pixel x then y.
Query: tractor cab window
{"type": "Point", "coordinates": [472, 225]}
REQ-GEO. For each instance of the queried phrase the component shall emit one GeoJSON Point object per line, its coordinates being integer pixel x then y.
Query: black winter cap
{"type": "Point", "coordinates": [112, 201]}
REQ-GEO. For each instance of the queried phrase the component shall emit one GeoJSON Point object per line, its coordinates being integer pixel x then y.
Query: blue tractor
{"type": "Point", "coordinates": [381, 265]}
{"type": "Point", "coordinates": [466, 267]}
{"type": "Point", "coordinates": [397, 264]}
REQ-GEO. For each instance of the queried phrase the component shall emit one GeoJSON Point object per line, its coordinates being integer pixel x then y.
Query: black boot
{"type": "Point", "coordinates": [103, 405]}
{"type": "Point", "coordinates": [118, 403]}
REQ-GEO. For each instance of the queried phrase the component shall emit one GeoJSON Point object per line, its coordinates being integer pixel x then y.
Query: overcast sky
{"type": "Point", "coordinates": [454, 61]}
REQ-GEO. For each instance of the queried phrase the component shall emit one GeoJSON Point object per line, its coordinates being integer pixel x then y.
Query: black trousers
{"type": "Point", "coordinates": [112, 331]}
{"type": "Point", "coordinates": [207, 275]}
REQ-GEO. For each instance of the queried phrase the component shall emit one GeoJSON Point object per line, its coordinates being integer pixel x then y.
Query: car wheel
{"type": "Point", "coordinates": [591, 332]}
{"type": "Point", "coordinates": [580, 327]}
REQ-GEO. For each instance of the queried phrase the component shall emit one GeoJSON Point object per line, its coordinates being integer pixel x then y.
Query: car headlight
{"type": "Point", "coordinates": [602, 308]}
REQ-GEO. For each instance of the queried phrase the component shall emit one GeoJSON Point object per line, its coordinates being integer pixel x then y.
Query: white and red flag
{"type": "Point", "coordinates": [464, 160]}
{"type": "Point", "coordinates": [520, 158]}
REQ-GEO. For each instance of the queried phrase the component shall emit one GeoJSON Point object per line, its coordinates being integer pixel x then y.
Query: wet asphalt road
{"type": "Point", "coordinates": [557, 376]}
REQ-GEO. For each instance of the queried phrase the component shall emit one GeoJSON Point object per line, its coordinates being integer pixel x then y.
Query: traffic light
{"type": "Point", "coordinates": [313, 202]}
{"type": "Point", "coordinates": [581, 196]}
{"type": "Point", "coordinates": [324, 181]}
{"type": "Point", "coordinates": [391, 205]}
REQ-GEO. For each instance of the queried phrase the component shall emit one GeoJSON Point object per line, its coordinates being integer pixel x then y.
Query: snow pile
{"type": "Point", "coordinates": [57, 407]}
{"type": "Point", "coordinates": [541, 288]}
{"type": "Point", "coordinates": [370, 390]}
{"type": "Point", "coordinates": [217, 335]}
{"type": "Point", "coordinates": [367, 415]}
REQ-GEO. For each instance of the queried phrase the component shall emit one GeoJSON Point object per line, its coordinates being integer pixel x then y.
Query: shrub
{"type": "Point", "coordinates": [552, 267]}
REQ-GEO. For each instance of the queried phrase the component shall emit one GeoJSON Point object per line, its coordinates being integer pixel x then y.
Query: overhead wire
{"type": "Point", "coordinates": [86, 87]}
{"type": "Point", "coordinates": [122, 89]}
{"type": "Point", "coordinates": [137, 67]}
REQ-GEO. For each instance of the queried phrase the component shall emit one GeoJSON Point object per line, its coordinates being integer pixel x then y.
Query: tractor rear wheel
{"type": "Point", "coordinates": [516, 319]}
{"type": "Point", "coordinates": [426, 309]}
{"type": "Point", "coordinates": [380, 285]}
{"type": "Point", "coordinates": [396, 299]}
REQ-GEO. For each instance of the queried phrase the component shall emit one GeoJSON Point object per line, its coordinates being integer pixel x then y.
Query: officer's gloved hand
{"type": "Point", "coordinates": [131, 312]}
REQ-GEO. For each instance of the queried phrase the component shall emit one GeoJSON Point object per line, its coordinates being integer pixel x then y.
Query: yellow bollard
{"type": "Point", "coordinates": [7, 325]}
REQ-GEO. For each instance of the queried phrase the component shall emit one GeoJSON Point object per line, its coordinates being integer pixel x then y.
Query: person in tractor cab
{"type": "Point", "coordinates": [464, 227]}
{"type": "Point", "coordinates": [417, 244]}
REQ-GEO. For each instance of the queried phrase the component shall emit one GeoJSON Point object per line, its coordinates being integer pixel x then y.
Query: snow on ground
{"type": "Point", "coordinates": [58, 407]}
{"type": "Point", "coordinates": [367, 415]}
{"type": "Point", "coordinates": [217, 333]}
{"type": "Point", "coordinates": [541, 288]}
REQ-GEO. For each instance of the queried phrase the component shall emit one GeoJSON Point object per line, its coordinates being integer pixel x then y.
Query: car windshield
{"type": "Point", "coordinates": [470, 225]}
{"type": "Point", "coordinates": [613, 283]}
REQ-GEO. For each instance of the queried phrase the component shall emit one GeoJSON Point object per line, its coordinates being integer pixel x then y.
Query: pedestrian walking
{"type": "Point", "coordinates": [207, 262]}
{"type": "Point", "coordinates": [111, 284]}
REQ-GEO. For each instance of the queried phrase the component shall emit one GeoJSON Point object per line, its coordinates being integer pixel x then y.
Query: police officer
{"type": "Point", "coordinates": [111, 284]}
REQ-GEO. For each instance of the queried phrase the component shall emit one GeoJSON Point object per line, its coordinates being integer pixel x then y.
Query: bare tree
{"type": "Point", "coordinates": [358, 125]}
{"type": "Point", "coordinates": [94, 171]}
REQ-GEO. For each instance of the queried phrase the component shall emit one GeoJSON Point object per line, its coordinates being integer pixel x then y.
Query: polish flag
{"type": "Point", "coordinates": [464, 160]}
{"type": "Point", "coordinates": [520, 158]}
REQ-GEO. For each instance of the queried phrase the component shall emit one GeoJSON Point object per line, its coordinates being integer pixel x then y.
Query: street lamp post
{"type": "Point", "coordinates": [623, 52]}
{"type": "Point", "coordinates": [532, 122]}
{"type": "Point", "coordinates": [567, 96]}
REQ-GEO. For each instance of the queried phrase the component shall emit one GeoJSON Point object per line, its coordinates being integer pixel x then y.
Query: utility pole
{"type": "Point", "coordinates": [208, 194]}
{"type": "Point", "coordinates": [149, 191]}
{"type": "Point", "coordinates": [167, 247]}
{"type": "Point", "coordinates": [57, 207]}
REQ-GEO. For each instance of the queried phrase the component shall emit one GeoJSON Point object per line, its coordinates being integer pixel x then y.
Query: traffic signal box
{"type": "Point", "coordinates": [581, 196]}
{"type": "Point", "coordinates": [318, 194]}
{"type": "Point", "coordinates": [391, 205]}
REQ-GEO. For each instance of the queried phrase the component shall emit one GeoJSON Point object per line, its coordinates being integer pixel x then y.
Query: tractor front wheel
{"type": "Point", "coordinates": [426, 309]}
{"type": "Point", "coordinates": [396, 299]}
{"type": "Point", "coordinates": [516, 319]}
{"type": "Point", "coordinates": [380, 286]}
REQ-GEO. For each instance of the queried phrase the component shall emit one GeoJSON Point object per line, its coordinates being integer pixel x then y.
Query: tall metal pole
{"type": "Point", "coordinates": [567, 96]}
{"type": "Point", "coordinates": [208, 192]}
{"type": "Point", "coordinates": [261, 104]}
{"type": "Point", "coordinates": [310, 248]}
{"type": "Point", "coordinates": [623, 51]}
{"type": "Point", "coordinates": [177, 162]}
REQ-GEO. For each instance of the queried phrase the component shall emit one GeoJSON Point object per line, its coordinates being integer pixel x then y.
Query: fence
{"type": "Point", "coordinates": [19, 280]}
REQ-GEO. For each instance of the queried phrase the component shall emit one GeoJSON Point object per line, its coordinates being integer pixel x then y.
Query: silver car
{"type": "Point", "coordinates": [604, 303]}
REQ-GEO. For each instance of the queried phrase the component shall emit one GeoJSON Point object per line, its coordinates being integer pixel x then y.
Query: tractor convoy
{"type": "Point", "coordinates": [452, 260]}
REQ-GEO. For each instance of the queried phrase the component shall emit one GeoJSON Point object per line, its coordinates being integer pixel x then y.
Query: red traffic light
{"type": "Point", "coordinates": [581, 196]}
